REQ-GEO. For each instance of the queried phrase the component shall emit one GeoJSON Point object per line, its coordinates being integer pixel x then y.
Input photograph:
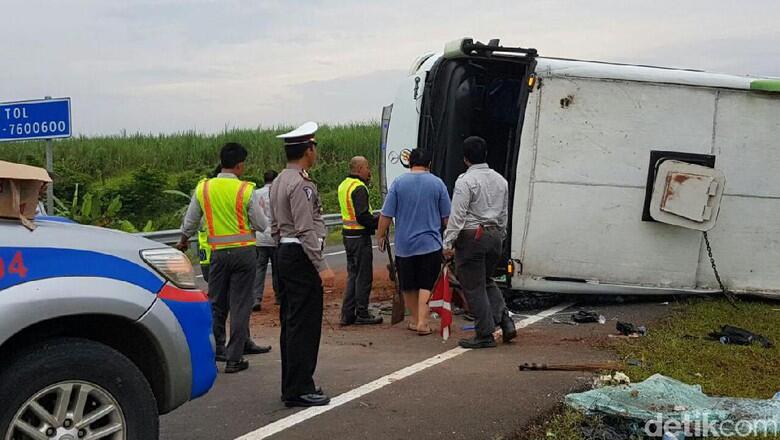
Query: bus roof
{"type": "Point", "coordinates": [595, 69]}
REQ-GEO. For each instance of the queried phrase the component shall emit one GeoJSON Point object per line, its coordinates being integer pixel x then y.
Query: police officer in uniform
{"type": "Point", "coordinates": [358, 225]}
{"type": "Point", "coordinates": [231, 214]}
{"type": "Point", "coordinates": [474, 235]}
{"type": "Point", "coordinates": [298, 227]}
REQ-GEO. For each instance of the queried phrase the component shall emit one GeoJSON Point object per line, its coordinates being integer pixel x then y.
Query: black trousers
{"type": "Point", "coordinates": [476, 260]}
{"type": "Point", "coordinates": [360, 270]}
{"type": "Point", "coordinates": [231, 276]}
{"type": "Point", "coordinates": [204, 269]}
{"type": "Point", "coordinates": [300, 294]}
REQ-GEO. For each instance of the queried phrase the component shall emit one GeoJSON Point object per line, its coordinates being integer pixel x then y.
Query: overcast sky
{"type": "Point", "coordinates": [165, 66]}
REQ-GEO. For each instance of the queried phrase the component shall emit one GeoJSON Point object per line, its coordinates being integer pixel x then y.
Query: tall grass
{"type": "Point", "coordinates": [109, 156]}
{"type": "Point", "coordinates": [129, 165]}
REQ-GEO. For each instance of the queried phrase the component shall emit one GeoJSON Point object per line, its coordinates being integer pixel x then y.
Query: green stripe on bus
{"type": "Point", "coordinates": [767, 85]}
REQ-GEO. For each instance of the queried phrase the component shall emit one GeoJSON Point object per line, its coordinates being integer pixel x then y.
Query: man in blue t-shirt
{"type": "Point", "coordinates": [420, 204]}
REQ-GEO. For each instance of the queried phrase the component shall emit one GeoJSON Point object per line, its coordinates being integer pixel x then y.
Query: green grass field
{"type": "Point", "coordinates": [676, 347]}
{"type": "Point", "coordinates": [139, 168]}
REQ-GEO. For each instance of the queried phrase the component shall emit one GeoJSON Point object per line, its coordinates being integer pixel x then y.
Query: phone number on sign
{"type": "Point", "coordinates": [53, 127]}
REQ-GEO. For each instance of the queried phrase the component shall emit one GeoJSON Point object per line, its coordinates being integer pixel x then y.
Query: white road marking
{"type": "Point", "coordinates": [344, 252]}
{"type": "Point", "coordinates": [303, 415]}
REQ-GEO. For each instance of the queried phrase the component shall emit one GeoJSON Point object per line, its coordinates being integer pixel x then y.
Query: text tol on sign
{"type": "Point", "coordinates": [39, 119]}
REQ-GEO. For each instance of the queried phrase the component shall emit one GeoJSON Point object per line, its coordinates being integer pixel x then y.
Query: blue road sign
{"type": "Point", "coordinates": [39, 119]}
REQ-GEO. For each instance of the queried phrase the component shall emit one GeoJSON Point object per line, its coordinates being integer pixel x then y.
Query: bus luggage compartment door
{"type": "Point", "coordinates": [687, 195]}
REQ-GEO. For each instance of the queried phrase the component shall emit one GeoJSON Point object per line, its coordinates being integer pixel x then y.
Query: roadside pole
{"type": "Point", "coordinates": [50, 169]}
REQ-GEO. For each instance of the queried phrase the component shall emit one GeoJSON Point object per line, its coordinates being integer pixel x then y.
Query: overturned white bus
{"type": "Point", "coordinates": [614, 170]}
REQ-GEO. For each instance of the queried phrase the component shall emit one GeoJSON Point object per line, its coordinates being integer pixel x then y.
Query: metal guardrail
{"type": "Point", "coordinates": [171, 236]}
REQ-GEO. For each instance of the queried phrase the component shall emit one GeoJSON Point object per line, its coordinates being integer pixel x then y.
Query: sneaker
{"type": "Point", "coordinates": [477, 342]}
{"type": "Point", "coordinates": [307, 400]}
{"type": "Point", "coordinates": [317, 390]}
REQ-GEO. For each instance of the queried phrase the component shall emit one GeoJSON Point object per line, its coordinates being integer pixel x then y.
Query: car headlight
{"type": "Point", "coordinates": [171, 264]}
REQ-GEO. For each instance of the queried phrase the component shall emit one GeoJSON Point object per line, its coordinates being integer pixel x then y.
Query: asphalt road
{"type": "Point", "coordinates": [337, 260]}
{"type": "Point", "coordinates": [389, 383]}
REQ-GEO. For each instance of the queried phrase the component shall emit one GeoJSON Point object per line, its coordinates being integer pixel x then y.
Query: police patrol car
{"type": "Point", "coordinates": [100, 331]}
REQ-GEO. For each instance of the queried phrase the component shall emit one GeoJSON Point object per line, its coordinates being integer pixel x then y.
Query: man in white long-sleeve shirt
{"type": "Point", "coordinates": [474, 235]}
{"type": "Point", "coordinates": [265, 245]}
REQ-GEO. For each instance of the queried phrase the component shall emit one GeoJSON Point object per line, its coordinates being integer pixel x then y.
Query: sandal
{"type": "Point", "coordinates": [412, 327]}
{"type": "Point", "coordinates": [425, 332]}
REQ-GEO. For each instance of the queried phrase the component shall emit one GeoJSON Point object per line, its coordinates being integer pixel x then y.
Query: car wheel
{"type": "Point", "coordinates": [75, 389]}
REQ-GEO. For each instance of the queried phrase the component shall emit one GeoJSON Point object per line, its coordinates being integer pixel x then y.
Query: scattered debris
{"type": "Point", "coordinates": [598, 366]}
{"type": "Point", "coordinates": [739, 336]}
{"type": "Point", "coordinates": [567, 101]}
{"type": "Point", "coordinates": [572, 339]}
{"type": "Point", "coordinates": [628, 329]}
{"type": "Point", "coordinates": [533, 301]}
{"type": "Point", "coordinates": [663, 398]}
{"type": "Point", "coordinates": [634, 362]}
{"type": "Point", "coordinates": [583, 317]}
{"type": "Point", "coordinates": [558, 321]}
{"type": "Point", "coordinates": [617, 378]}
{"type": "Point", "coordinates": [598, 428]}
{"type": "Point", "coordinates": [357, 344]}
{"type": "Point", "coordinates": [383, 309]}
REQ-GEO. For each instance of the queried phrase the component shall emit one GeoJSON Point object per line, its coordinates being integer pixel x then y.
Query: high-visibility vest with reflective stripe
{"type": "Point", "coordinates": [204, 250]}
{"type": "Point", "coordinates": [348, 216]}
{"type": "Point", "coordinates": [224, 202]}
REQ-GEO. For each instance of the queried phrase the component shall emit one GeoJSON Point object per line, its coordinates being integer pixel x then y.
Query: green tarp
{"type": "Point", "coordinates": [661, 397]}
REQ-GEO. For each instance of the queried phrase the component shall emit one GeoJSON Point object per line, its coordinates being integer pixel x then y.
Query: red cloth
{"type": "Point", "coordinates": [441, 302]}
